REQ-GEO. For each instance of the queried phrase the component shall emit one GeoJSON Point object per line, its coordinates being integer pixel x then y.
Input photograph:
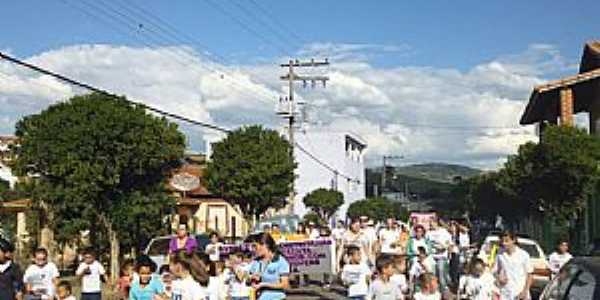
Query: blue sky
{"type": "Point", "coordinates": [397, 66]}
{"type": "Point", "coordinates": [453, 34]}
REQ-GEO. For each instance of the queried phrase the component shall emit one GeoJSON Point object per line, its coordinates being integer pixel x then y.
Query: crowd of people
{"type": "Point", "coordinates": [191, 274]}
{"type": "Point", "coordinates": [395, 261]}
{"type": "Point", "coordinates": [433, 261]}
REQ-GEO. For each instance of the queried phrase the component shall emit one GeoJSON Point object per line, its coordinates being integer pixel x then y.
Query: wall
{"type": "Point", "coordinates": [330, 147]}
{"type": "Point", "coordinates": [225, 226]}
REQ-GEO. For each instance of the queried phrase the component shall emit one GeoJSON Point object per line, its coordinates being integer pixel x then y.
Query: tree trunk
{"type": "Point", "coordinates": [114, 254]}
{"type": "Point", "coordinates": [114, 248]}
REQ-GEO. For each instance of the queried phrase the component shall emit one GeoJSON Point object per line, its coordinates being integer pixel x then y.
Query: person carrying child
{"type": "Point", "coordinates": [424, 264]}
{"type": "Point", "coordinates": [478, 284]}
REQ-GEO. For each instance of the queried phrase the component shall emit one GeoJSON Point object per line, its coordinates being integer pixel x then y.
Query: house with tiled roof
{"type": "Point", "coordinates": [201, 210]}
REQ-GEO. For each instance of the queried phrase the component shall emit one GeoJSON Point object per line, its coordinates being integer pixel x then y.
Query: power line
{"type": "Point", "coordinates": [252, 15]}
{"type": "Point", "coordinates": [104, 92]}
{"type": "Point", "coordinates": [273, 19]}
{"type": "Point", "coordinates": [323, 164]}
{"type": "Point", "coordinates": [246, 27]}
{"type": "Point", "coordinates": [128, 22]}
{"type": "Point", "coordinates": [150, 108]}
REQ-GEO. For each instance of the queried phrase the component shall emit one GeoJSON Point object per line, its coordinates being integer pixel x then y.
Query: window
{"type": "Point", "coordinates": [583, 287]}
{"type": "Point", "coordinates": [159, 247]}
{"type": "Point", "coordinates": [531, 249]}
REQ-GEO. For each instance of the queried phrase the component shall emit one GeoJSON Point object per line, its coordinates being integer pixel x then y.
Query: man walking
{"type": "Point", "coordinates": [513, 269]}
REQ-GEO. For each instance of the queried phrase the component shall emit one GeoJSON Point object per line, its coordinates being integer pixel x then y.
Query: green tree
{"type": "Point", "coordinates": [252, 167]}
{"type": "Point", "coordinates": [102, 164]}
{"type": "Point", "coordinates": [324, 202]}
{"type": "Point", "coordinates": [314, 218]}
{"type": "Point", "coordinates": [557, 175]}
{"type": "Point", "coordinates": [378, 209]}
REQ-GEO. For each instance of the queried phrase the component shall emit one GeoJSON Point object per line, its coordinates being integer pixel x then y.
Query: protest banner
{"type": "Point", "coordinates": [423, 219]}
{"type": "Point", "coordinates": [304, 257]}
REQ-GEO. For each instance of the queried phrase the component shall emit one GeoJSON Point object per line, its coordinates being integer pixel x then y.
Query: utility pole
{"type": "Point", "coordinates": [291, 77]}
{"type": "Point", "coordinates": [383, 172]}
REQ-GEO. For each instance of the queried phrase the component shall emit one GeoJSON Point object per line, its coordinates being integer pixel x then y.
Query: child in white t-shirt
{"type": "Point", "coordinates": [428, 288]}
{"type": "Point", "coordinates": [41, 277]}
{"type": "Point", "coordinates": [214, 248]}
{"type": "Point", "coordinates": [355, 274]}
{"type": "Point", "coordinates": [238, 289]}
{"type": "Point", "coordinates": [399, 277]}
{"type": "Point", "coordinates": [91, 272]}
{"type": "Point", "coordinates": [559, 258]}
{"type": "Point", "coordinates": [478, 284]}
{"type": "Point", "coordinates": [382, 288]}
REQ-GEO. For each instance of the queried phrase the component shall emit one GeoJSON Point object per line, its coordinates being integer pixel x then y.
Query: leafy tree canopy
{"type": "Point", "coordinates": [556, 176]}
{"type": "Point", "coordinates": [378, 209]}
{"type": "Point", "coordinates": [324, 202]}
{"type": "Point", "coordinates": [99, 161]}
{"type": "Point", "coordinates": [252, 167]}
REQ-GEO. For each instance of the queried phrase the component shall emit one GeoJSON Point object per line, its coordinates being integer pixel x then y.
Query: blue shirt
{"type": "Point", "coordinates": [154, 287]}
{"type": "Point", "coordinates": [271, 273]}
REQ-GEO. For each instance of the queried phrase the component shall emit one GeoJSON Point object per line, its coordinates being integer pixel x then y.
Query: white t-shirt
{"type": "Point", "coordinates": [464, 240]}
{"type": "Point", "coordinates": [41, 278]}
{"type": "Point", "coordinates": [558, 260]}
{"type": "Point", "coordinates": [214, 256]}
{"type": "Point", "coordinates": [338, 233]}
{"type": "Point", "coordinates": [439, 237]}
{"type": "Point", "coordinates": [385, 291]}
{"type": "Point", "coordinates": [188, 289]}
{"type": "Point", "coordinates": [516, 267]}
{"type": "Point", "coordinates": [473, 288]}
{"type": "Point", "coordinates": [370, 234]}
{"type": "Point", "coordinates": [359, 240]}
{"type": "Point", "coordinates": [421, 296]}
{"type": "Point", "coordinates": [416, 243]}
{"type": "Point", "coordinates": [355, 276]}
{"type": "Point", "coordinates": [91, 283]}
{"type": "Point", "coordinates": [387, 238]}
{"type": "Point", "coordinates": [426, 267]}
{"type": "Point", "coordinates": [399, 280]}
{"type": "Point", "coordinates": [217, 288]}
{"type": "Point", "coordinates": [239, 288]}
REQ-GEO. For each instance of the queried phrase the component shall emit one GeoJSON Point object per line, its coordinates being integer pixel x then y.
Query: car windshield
{"type": "Point", "coordinates": [159, 247]}
{"type": "Point", "coordinates": [531, 249]}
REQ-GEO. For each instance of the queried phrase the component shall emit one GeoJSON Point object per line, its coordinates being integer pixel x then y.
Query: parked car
{"type": "Point", "coordinates": [541, 267]}
{"type": "Point", "coordinates": [578, 279]}
{"type": "Point", "coordinates": [158, 247]}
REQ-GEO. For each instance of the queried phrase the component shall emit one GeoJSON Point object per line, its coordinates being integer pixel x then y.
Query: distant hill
{"type": "Point", "coordinates": [437, 171]}
{"type": "Point", "coordinates": [429, 182]}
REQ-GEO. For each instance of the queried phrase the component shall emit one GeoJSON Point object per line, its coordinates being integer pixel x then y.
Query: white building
{"type": "Point", "coordinates": [329, 150]}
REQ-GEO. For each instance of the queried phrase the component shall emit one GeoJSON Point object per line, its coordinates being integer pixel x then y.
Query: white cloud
{"type": "Point", "coordinates": [424, 113]}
